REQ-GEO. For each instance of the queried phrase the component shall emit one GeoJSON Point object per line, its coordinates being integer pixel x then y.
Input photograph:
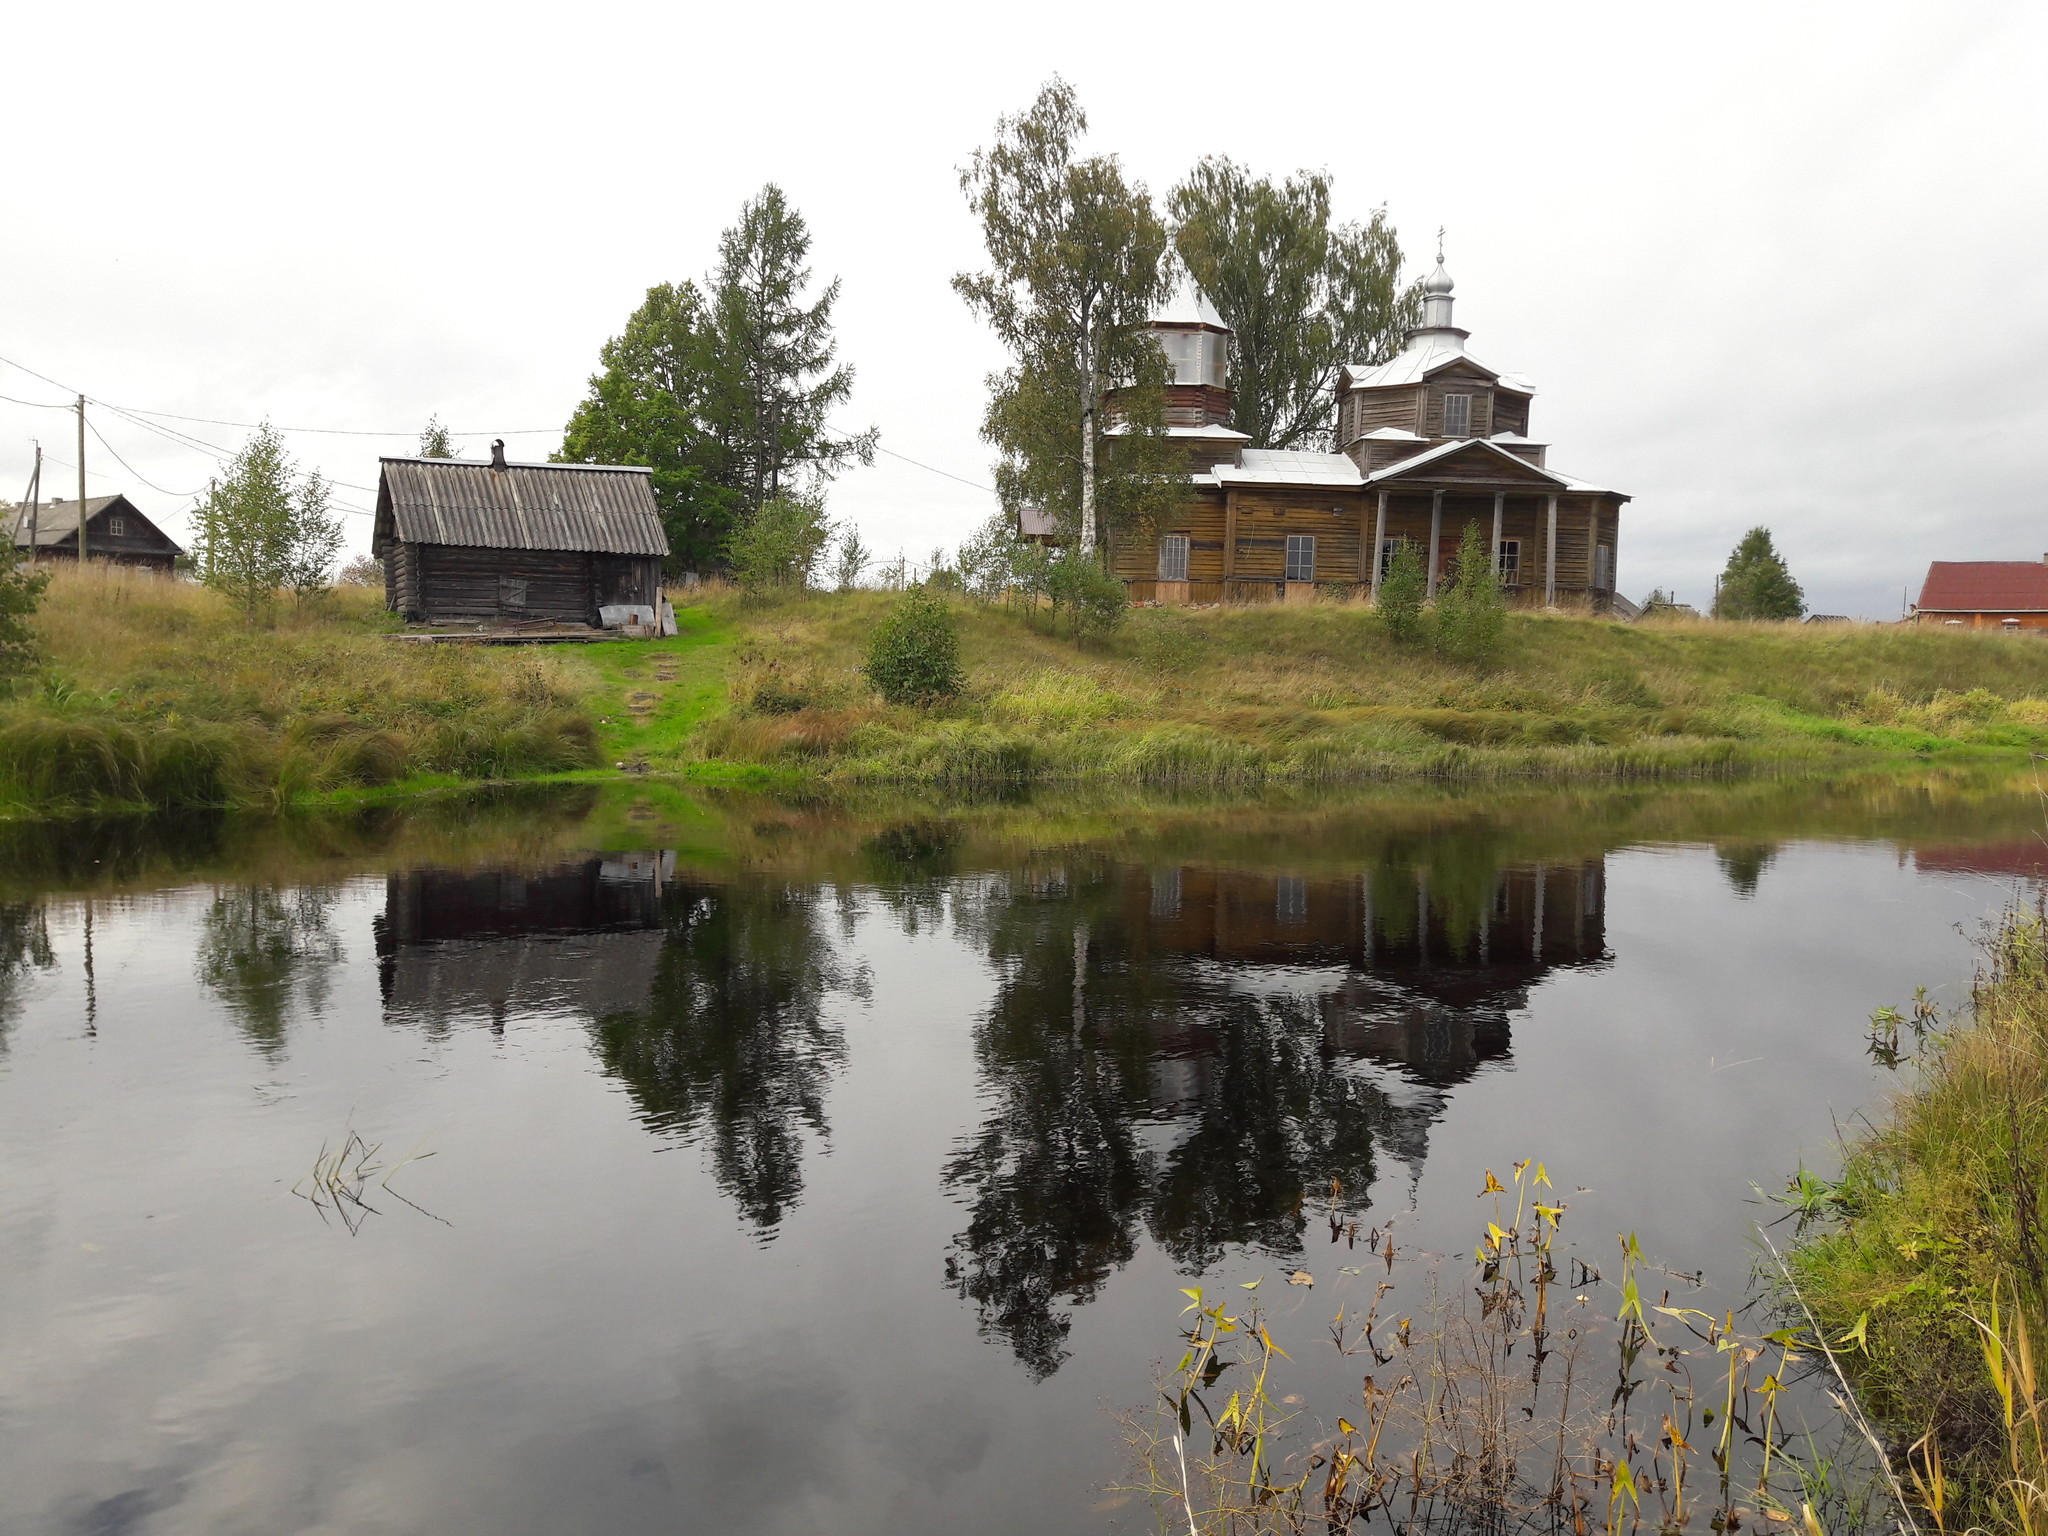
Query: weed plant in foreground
{"type": "Point", "coordinates": [155, 692]}
{"type": "Point", "coordinates": [1926, 1266]}
{"type": "Point", "coordinates": [1497, 1395]}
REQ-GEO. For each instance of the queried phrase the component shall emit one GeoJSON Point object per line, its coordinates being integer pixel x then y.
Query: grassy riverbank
{"type": "Point", "coordinates": [1251, 696]}
{"type": "Point", "coordinates": [156, 693]}
{"type": "Point", "coordinates": [1932, 1277]}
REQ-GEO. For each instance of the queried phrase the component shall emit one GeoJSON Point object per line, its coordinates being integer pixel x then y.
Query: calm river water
{"type": "Point", "coordinates": [799, 1169]}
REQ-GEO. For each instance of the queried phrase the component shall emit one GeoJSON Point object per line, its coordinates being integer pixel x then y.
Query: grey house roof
{"type": "Point", "coordinates": [57, 524]}
{"type": "Point", "coordinates": [605, 508]}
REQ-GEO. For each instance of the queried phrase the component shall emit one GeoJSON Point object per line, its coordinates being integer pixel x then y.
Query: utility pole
{"type": "Point", "coordinates": [81, 482]}
{"type": "Point", "coordinates": [35, 506]}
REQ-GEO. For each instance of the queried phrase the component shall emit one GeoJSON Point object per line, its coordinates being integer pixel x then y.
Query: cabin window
{"type": "Point", "coordinates": [1173, 557]}
{"type": "Point", "coordinates": [1457, 415]}
{"type": "Point", "coordinates": [1301, 557]}
{"type": "Point", "coordinates": [1387, 548]}
{"type": "Point", "coordinates": [1603, 568]}
{"type": "Point", "coordinates": [117, 527]}
{"type": "Point", "coordinates": [511, 592]}
{"type": "Point", "coordinates": [1509, 562]}
{"type": "Point", "coordinates": [1290, 901]}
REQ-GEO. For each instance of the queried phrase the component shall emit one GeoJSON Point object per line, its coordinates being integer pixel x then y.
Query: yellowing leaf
{"type": "Point", "coordinates": [1301, 1277]}
{"type": "Point", "coordinates": [1347, 1427]}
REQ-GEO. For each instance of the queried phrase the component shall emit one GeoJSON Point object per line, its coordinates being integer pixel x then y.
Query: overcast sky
{"type": "Point", "coordinates": [1777, 264]}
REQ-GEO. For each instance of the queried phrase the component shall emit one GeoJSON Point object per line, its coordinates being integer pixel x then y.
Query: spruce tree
{"type": "Point", "coordinates": [1757, 584]}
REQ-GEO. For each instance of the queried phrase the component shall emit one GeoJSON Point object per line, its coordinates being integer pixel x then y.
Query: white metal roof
{"type": "Point", "coordinates": [1287, 466]}
{"type": "Point", "coordinates": [1426, 355]}
{"type": "Point", "coordinates": [1203, 434]}
{"type": "Point", "coordinates": [1394, 435]}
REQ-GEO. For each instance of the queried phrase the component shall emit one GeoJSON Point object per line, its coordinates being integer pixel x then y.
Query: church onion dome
{"type": "Point", "coordinates": [1438, 281]}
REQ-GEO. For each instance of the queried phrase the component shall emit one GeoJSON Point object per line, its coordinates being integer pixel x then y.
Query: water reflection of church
{"type": "Point", "coordinates": [1186, 1054]}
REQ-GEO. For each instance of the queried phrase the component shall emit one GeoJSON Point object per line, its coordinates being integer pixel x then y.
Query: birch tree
{"type": "Point", "coordinates": [1076, 269]}
{"type": "Point", "coordinates": [263, 526]}
{"type": "Point", "coordinates": [1303, 297]}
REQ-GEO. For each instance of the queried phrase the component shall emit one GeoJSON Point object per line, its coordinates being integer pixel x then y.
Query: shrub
{"type": "Point", "coordinates": [781, 544]}
{"type": "Point", "coordinates": [914, 656]}
{"type": "Point", "coordinates": [1471, 613]}
{"type": "Point", "coordinates": [1402, 591]}
{"type": "Point", "coordinates": [1096, 601]}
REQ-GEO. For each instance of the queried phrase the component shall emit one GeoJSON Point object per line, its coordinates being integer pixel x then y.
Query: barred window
{"type": "Point", "coordinates": [1301, 557]}
{"type": "Point", "coordinates": [1173, 557]}
{"type": "Point", "coordinates": [1457, 415]}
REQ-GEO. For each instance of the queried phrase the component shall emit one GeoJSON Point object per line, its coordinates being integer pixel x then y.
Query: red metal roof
{"type": "Point", "coordinates": [1985, 586]}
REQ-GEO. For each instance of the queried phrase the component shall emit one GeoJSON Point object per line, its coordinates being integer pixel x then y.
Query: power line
{"type": "Point", "coordinates": [138, 474]}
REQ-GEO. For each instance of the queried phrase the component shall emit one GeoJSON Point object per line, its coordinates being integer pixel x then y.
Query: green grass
{"type": "Point", "coordinates": [1936, 1249]}
{"type": "Point", "coordinates": [1248, 697]}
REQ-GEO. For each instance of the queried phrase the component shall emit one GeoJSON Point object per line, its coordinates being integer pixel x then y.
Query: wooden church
{"type": "Point", "coordinates": [1428, 443]}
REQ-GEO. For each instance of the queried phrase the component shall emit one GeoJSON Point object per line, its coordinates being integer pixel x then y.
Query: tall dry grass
{"type": "Point", "coordinates": [156, 692]}
{"type": "Point", "coordinates": [1934, 1277]}
{"type": "Point", "coordinates": [1319, 693]}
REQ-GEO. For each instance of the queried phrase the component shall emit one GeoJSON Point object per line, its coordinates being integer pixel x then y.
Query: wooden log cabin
{"type": "Point", "coordinates": [499, 543]}
{"type": "Point", "coordinates": [1426, 444]}
{"type": "Point", "coordinates": [115, 532]}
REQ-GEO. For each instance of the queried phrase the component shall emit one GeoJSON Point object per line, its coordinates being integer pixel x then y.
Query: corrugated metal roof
{"type": "Point", "coordinates": [606, 508]}
{"type": "Point", "coordinates": [1421, 360]}
{"type": "Point", "coordinates": [1985, 586]}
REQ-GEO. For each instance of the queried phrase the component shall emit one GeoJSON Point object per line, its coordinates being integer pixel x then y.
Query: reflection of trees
{"type": "Point", "coordinates": [1198, 1052]}
{"type": "Point", "coordinates": [733, 1046]}
{"type": "Point", "coordinates": [264, 950]}
{"type": "Point", "coordinates": [1278, 1117]}
{"type": "Point", "coordinates": [1744, 863]}
{"type": "Point", "coordinates": [24, 946]}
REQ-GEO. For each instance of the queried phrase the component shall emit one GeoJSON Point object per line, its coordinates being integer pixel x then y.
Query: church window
{"type": "Point", "coordinates": [1301, 557]}
{"type": "Point", "coordinates": [1457, 415]}
{"type": "Point", "coordinates": [1510, 562]}
{"type": "Point", "coordinates": [1173, 557]}
{"type": "Point", "coordinates": [1290, 899]}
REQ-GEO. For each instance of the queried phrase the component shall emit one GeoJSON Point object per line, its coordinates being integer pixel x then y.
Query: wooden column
{"type": "Point", "coordinates": [1229, 539]}
{"type": "Point", "coordinates": [1436, 535]}
{"type": "Point", "coordinates": [1500, 510]}
{"type": "Point", "coordinates": [1379, 544]}
{"type": "Point", "coordinates": [1550, 556]}
{"type": "Point", "coordinates": [1593, 545]}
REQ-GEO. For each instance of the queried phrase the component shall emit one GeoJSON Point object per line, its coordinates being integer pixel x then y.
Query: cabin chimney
{"type": "Point", "coordinates": [498, 453]}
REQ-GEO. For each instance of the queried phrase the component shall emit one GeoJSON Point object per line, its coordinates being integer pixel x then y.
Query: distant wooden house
{"type": "Point", "coordinates": [470, 543]}
{"type": "Point", "coordinates": [1426, 444]}
{"type": "Point", "coordinates": [115, 531]}
{"type": "Point", "coordinates": [1984, 594]}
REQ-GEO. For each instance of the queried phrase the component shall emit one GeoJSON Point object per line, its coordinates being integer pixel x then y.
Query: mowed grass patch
{"type": "Point", "coordinates": [649, 699]}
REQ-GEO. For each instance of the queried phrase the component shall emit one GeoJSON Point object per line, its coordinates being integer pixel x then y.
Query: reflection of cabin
{"type": "Point", "coordinates": [470, 543]}
{"type": "Point", "coordinates": [584, 936]}
{"type": "Point", "coordinates": [115, 531]}
{"type": "Point", "coordinates": [1426, 444]}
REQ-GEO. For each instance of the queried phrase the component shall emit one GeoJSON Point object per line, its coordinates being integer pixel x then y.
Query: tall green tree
{"type": "Point", "coordinates": [436, 441]}
{"type": "Point", "coordinates": [1076, 269]}
{"type": "Point", "coordinates": [725, 391]}
{"type": "Point", "coordinates": [658, 402]}
{"type": "Point", "coordinates": [1756, 583]}
{"type": "Point", "coordinates": [265, 526]}
{"type": "Point", "coordinates": [776, 357]}
{"type": "Point", "coordinates": [1303, 297]}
